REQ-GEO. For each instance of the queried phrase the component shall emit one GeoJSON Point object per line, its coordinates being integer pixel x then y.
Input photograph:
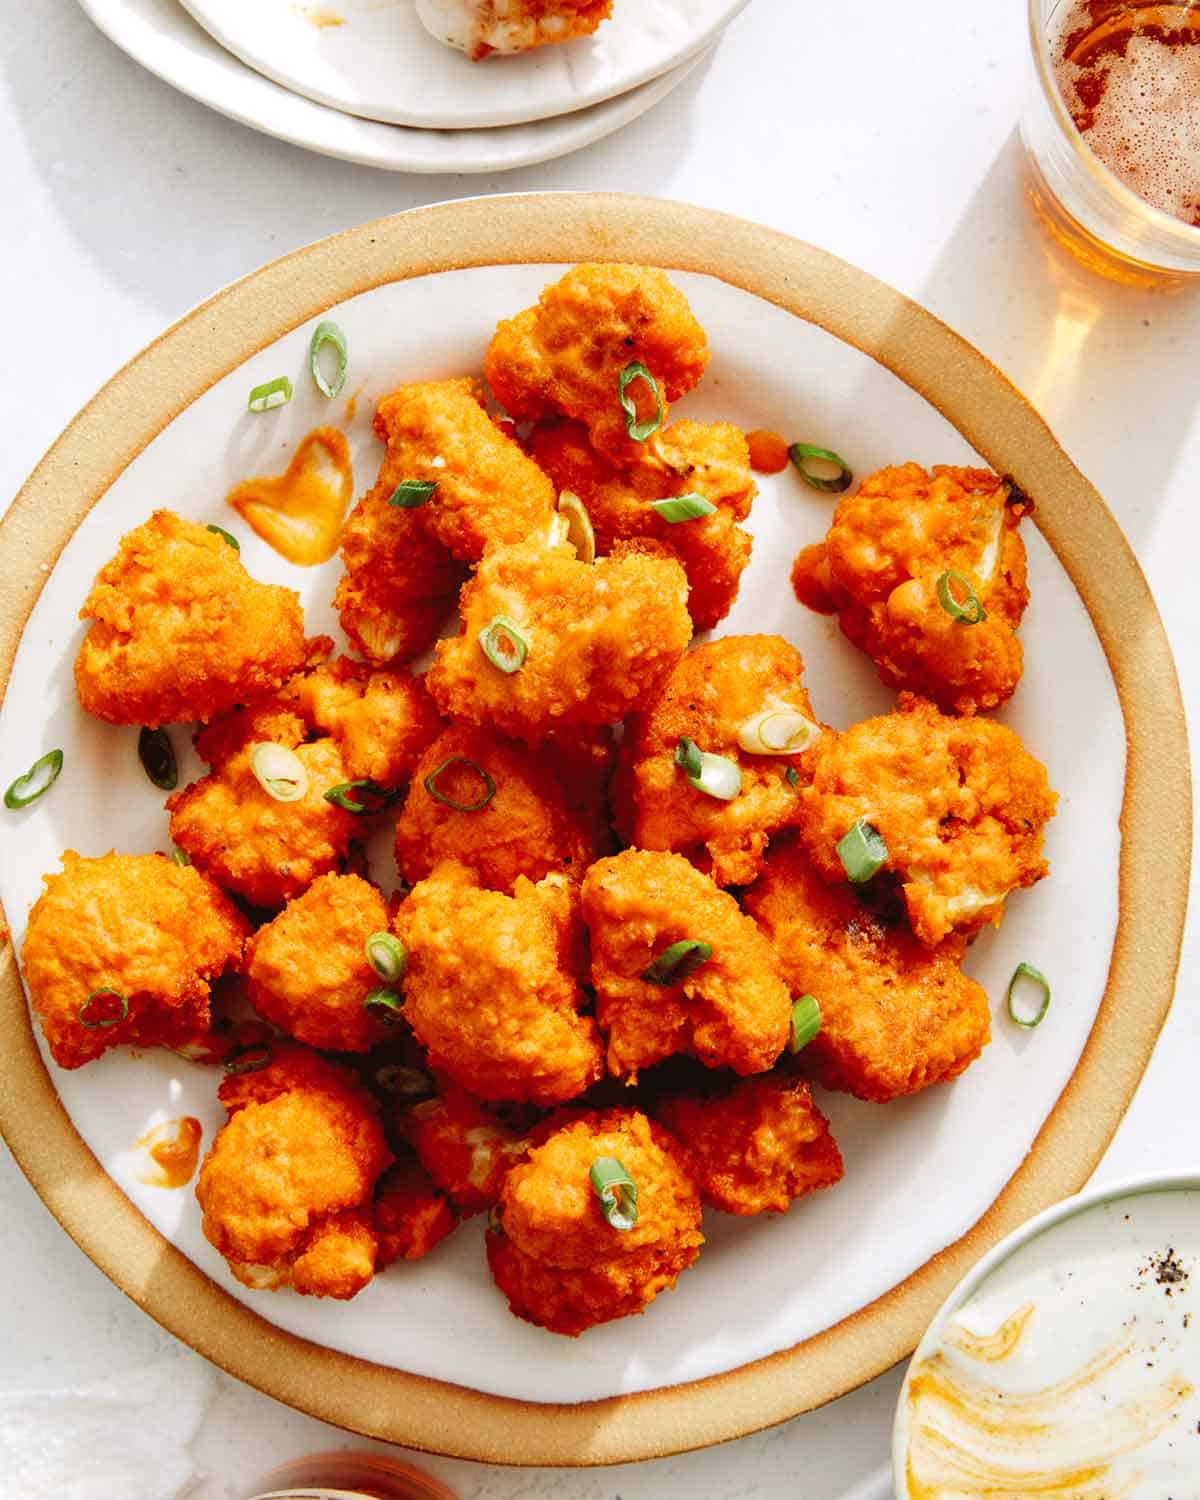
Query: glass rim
{"type": "Point", "coordinates": [1132, 202]}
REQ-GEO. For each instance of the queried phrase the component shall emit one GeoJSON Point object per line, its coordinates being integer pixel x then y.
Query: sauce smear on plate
{"type": "Point", "coordinates": [300, 512]}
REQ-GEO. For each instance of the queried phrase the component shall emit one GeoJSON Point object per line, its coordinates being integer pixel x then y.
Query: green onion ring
{"type": "Point", "coordinates": [639, 431]}
{"type": "Point", "coordinates": [375, 798]}
{"type": "Point", "coordinates": [678, 508]}
{"type": "Point", "coordinates": [384, 1005]}
{"type": "Point", "coordinates": [579, 526]}
{"type": "Point", "coordinates": [676, 963]}
{"type": "Point", "coordinates": [778, 730]}
{"type": "Point", "coordinates": [495, 1219]}
{"type": "Point", "coordinates": [272, 393]}
{"type": "Point", "coordinates": [157, 756]}
{"type": "Point", "coordinates": [226, 536]}
{"type": "Point", "coordinates": [802, 454]}
{"type": "Point", "coordinates": [715, 775]}
{"type": "Point", "coordinates": [413, 1084]}
{"type": "Point", "coordinates": [279, 771]}
{"type": "Point", "coordinates": [252, 1059]}
{"type": "Point", "coordinates": [105, 1021]}
{"type": "Point", "coordinates": [504, 644]}
{"type": "Point", "coordinates": [39, 778]}
{"type": "Point", "coordinates": [181, 857]}
{"type": "Point", "coordinates": [387, 955]}
{"type": "Point", "coordinates": [792, 776]}
{"type": "Point", "coordinates": [616, 1191]}
{"type": "Point", "coordinates": [411, 494]}
{"type": "Point", "coordinates": [968, 611]}
{"type": "Point", "coordinates": [806, 1022]}
{"type": "Point", "coordinates": [327, 333]}
{"type": "Point", "coordinates": [862, 852]}
{"type": "Point", "coordinates": [489, 786]}
{"type": "Point", "coordinates": [1036, 977]}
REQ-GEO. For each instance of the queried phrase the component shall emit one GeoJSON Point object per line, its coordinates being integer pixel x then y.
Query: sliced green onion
{"type": "Point", "coordinates": [806, 1022]}
{"type": "Point", "coordinates": [181, 857]}
{"type": "Point", "coordinates": [862, 852]}
{"type": "Point", "coordinates": [792, 776]}
{"type": "Point", "coordinates": [1041, 983]}
{"type": "Point", "coordinates": [715, 775]}
{"type": "Point", "coordinates": [39, 778]}
{"type": "Point", "coordinates": [616, 1190]}
{"type": "Point", "coordinates": [279, 771]}
{"type": "Point", "coordinates": [406, 1083]}
{"type": "Point", "coordinates": [226, 536]}
{"type": "Point", "coordinates": [411, 494]}
{"type": "Point", "coordinates": [674, 964]}
{"type": "Point", "coordinates": [373, 798]}
{"type": "Point", "coordinates": [969, 609]}
{"type": "Point", "coordinates": [97, 1000]}
{"type": "Point", "coordinates": [247, 1060]}
{"type": "Point", "coordinates": [387, 955]}
{"type": "Point", "coordinates": [157, 756]}
{"type": "Point", "coordinates": [495, 1219]}
{"type": "Point", "coordinates": [327, 333]}
{"type": "Point", "coordinates": [384, 1005]}
{"type": "Point", "coordinates": [777, 731]}
{"type": "Point", "coordinates": [489, 786]}
{"type": "Point", "coordinates": [579, 526]}
{"type": "Point", "coordinates": [273, 393]}
{"type": "Point", "coordinates": [683, 507]}
{"type": "Point", "coordinates": [504, 644]}
{"type": "Point", "coordinates": [639, 431]}
{"type": "Point", "coordinates": [804, 455]}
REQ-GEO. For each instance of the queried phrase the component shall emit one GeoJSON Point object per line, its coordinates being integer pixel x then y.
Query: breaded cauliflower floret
{"type": "Point", "coordinates": [155, 932]}
{"type": "Point", "coordinates": [959, 803]}
{"type": "Point", "coordinates": [757, 1146]}
{"type": "Point", "coordinates": [733, 1011]}
{"type": "Point", "coordinates": [525, 828]}
{"type": "Point", "coordinates": [504, 27]}
{"type": "Point", "coordinates": [307, 970]}
{"type": "Point", "coordinates": [181, 631]}
{"type": "Point", "coordinates": [895, 1016]}
{"type": "Point", "coordinates": [491, 991]}
{"type": "Point", "coordinates": [714, 692]}
{"type": "Point", "coordinates": [688, 458]}
{"type": "Point", "coordinates": [466, 1149]}
{"type": "Point", "coordinates": [557, 1259]}
{"type": "Point", "coordinates": [411, 1215]}
{"type": "Point", "coordinates": [889, 544]}
{"type": "Point", "coordinates": [565, 355]}
{"type": "Point", "coordinates": [600, 639]}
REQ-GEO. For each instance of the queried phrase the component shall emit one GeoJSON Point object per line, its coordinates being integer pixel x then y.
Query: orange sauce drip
{"type": "Point", "coordinates": [811, 582]}
{"type": "Point", "coordinates": [768, 451]}
{"type": "Point", "coordinates": [352, 403]}
{"type": "Point", "coordinates": [174, 1148]}
{"type": "Point", "coordinates": [321, 18]}
{"type": "Point", "coordinates": [300, 512]}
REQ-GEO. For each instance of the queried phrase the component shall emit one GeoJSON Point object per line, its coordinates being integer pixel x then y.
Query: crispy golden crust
{"type": "Point", "coordinates": [154, 931]}
{"type": "Point", "coordinates": [734, 1011]}
{"type": "Point", "coordinates": [601, 638]}
{"type": "Point", "coordinates": [565, 355]}
{"type": "Point", "coordinates": [338, 1257]}
{"type": "Point", "coordinates": [289, 1067]}
{"type": "Point", "coordinates": [411, 1215]}
{"type": "Point", "coordinates": [558, 1261]}
{"type": "Point", "coordinates": [491, 992]}
{"type": "Point", "coordinates": [307, 970]}
{"type": "Point", "coordinates": [527, 828]}
{"type": "Point", "coordinates": [960, 803]}
{"type": "Point", "coordinates": [466, 1149]}
{"type": "Point", "coordinates": [510, 26]}
{"type": "Point", "coordinates": [707, 698]}
{"type": "Point", "coordinates": [758, 1146]}
{"type": "Point", "coordinates": [895, 1016]}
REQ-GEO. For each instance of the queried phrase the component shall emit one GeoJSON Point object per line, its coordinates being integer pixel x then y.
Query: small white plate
{"type": "Point", "coordinates": [163, 38]}
{"type": "Point", "coordinates": [375, 59]}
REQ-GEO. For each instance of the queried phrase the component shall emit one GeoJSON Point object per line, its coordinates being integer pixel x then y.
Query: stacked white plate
{"type": "Point", "coordinates": [365, 81]}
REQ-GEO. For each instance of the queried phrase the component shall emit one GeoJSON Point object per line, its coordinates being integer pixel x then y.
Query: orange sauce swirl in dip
{"type": "Point", "coordinates": [173, 1149]}
{"type": "Point", "coordinates": [300, 512]}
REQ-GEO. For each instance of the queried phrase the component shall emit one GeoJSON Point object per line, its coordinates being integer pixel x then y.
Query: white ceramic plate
{"type": "Point", "coordinates": [163, 38]}
{"type": "Point", "coordinates": [378, 61]}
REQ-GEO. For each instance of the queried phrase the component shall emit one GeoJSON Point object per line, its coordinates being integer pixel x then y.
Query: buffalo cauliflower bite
{"type": "Point", "coordinates": [556, 1257]}
{"type": "Point", "coordinates": [888, 546]}
{"type": "Point", "coordinates": [688, 458]}
{"type": "Point", "coordinates": [411, 1215]}
{"type": "Point", "coordinates": [491, 991]}
{"type": "Point", "coordinates": [155, 932]}
{"type": "Point", "coordinates": [712, 698]}
{"type": "Point", "coordinates": [180, 630]}
{"type": "Point", "coordinates": [307, 970]}
{"type": "Point", "coordinates": [466, 1149]}
{"type": "Point", "coordinates": [286, 1187]}
{"type": "Point", "coordinates": [599, 637]}
{"type": "Point", "coordinates": [758, 1145]}
{"type": "Point", "coordinates": [895, 1016]}
{"type": "Point", "coordinates": [526, 826]}
{"type": "Point", "coordinates": [732, 1011]}
{"type": "Point", "coordinates": [960, 804]}
{"type": "Point", "coordinates": [565, 355]}
{"type": "Point", "coordinates": [483, 27]}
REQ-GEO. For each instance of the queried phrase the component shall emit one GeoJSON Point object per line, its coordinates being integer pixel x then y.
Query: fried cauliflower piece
{"type": "Point", "coordinates": [557, 1259]}
{"type": "Point", "coordinates": [895, 1016]}
{"type": "Point", "coordinates": [733, 1011]}
{"type": "Point", "coordinates": [504, 27]}
{"type": "Point", "coordinates": [887, 547]}
{"type": "Point", "coordinates": [600, 639]}
{"type": "Point", "coordinates": [466, 1149]}
{"type": "Point", "coordinates": [491, 991]}
{"type": "Point", "coordinates": [757, 1146]}
{"type": "Point", "coordinates": [565, 355]}
{"type": "Point", "coordinates": [527, 826]}
{"type": "Point", "coordinates": [155, 932]}
{"type": "Point", "coordinates": [714, 691]}
{"type": "Point", "coordinates": [960, 804]}
{"type": "Point", "coordinates": [411, 1215]}
{"type": "Point", "coordinates": [286, 1188]}
{"type": "Point", "coordinates": [688, 458]}
{"type": "Point", "coordinates": [180, 630]}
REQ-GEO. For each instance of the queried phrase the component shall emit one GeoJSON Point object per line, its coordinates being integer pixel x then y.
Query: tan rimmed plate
{"type": "Point", "coordinates": [780, 1316]}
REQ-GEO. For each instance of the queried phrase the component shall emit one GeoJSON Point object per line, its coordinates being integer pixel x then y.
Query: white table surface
{"type": "Point", "coordinates": [884, 133]}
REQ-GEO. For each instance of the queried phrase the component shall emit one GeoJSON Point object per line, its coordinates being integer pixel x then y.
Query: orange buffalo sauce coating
{"type": "Point", "coordinates": [300, 512]}
{"type": "Point", "coordinates": [173, 1149]}
{"type": "Point", "coordinates": [768, 451]}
